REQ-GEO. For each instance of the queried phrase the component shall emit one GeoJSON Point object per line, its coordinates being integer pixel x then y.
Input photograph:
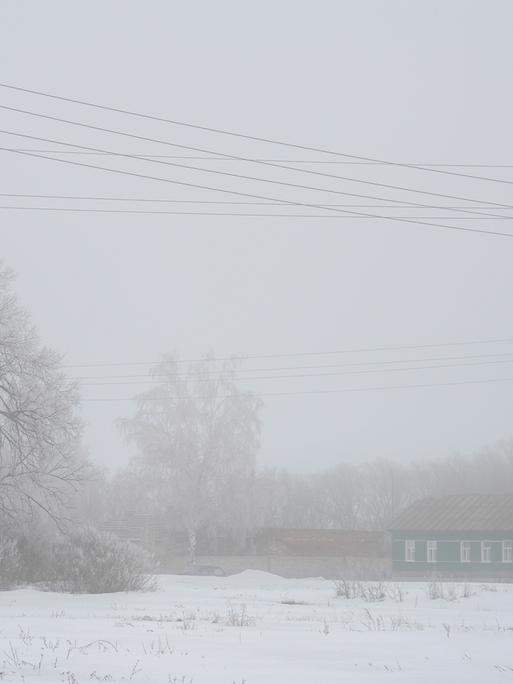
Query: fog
{"type": "Point", "coordinates": [255, 341]}
{"type": "Point", "coordinates": [419, 83]}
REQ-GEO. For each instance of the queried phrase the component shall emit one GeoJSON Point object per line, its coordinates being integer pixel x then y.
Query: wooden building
{"type": "Point", "coordinates": [468, 537]}
{"type": "Point", "coordinates": [319, 542]}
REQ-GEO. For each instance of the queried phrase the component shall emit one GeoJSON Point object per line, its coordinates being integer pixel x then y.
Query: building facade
{"type": "Point", "coordinates": [468, 537]}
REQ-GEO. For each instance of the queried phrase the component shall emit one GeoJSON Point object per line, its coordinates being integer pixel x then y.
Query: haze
{"type": "Point", "coordinates": [424, 83]}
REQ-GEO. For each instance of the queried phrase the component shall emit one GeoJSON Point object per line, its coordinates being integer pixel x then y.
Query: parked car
{"type": "Point", "coordinates": [206, 570]}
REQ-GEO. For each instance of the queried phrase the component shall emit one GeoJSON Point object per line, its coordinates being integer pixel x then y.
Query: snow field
{"type": "Point", "coordinates": [256, 628]}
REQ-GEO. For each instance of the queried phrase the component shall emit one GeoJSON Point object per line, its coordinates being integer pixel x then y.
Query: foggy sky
{"type": "Point", "coordinates": [423, 82]}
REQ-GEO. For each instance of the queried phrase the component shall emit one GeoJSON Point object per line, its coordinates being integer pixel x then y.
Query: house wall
{"type": "Point", "coordinates": [448, 562]}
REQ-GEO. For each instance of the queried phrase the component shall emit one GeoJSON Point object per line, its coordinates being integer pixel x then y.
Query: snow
{"type": "Point", "coordinates": [256, 628]}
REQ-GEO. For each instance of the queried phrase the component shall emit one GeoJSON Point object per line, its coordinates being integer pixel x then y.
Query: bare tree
{"type": "Point", "coordinates": [385, 492]}
{"type": "Point", "coordinates": [39, 433]}
{"type": "Point", "coordinates": [197, 434]}
{"type": "Point", "coordinates": [327, 499]}
{"type": "Point", "coordinates": [339, 497]}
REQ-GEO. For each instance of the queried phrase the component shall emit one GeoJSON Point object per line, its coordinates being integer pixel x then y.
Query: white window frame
{"type": "Point", "coordinates": [507, 545]}
{"type": "Point", "coordinates": [409, 550]}
{"type": "Point", "coordinates": [432, 548]}
{"type": "Point", "coordinates": [465, 551]}
{"type": "Point", "coordinates": [486, 547]}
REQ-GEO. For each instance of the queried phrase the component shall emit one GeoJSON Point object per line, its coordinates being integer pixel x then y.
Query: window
{"type": "Point", "coordinates": [465, 552]}
{"type": "Point", "coordinates": [431, 551]}
{"type": "Point", "coordinates": [507, 552]}
{"type": "Point", "coordinates": [486, 552]}
{"type": "Point", "coordinates": [409, 550]}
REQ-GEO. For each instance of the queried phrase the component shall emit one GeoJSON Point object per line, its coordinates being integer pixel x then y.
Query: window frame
{"type": "Point", "coordinates": [486, 545]}
{"type": "Point", "coordinates": [432, 551]}
{"type": "Point", "coordinates": [465, 546]}
{"type": "Point", "coordinates": [409, 550]}
{"type": "Point", "coordinates": [509, 546]}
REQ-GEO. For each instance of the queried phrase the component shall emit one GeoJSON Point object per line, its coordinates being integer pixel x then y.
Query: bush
{"type": "Point", "coordinates": [93, 562]}
{"type": "Point", "coordinates": [10, 563]}
{"type": "Point", "coordinates": [237, 616]}
{"type": "Point", "coordinates": [366, 591]}
{"type": "Point", "coordinates": [440, 590]}
{"type": "Point", "coordinates": [348, 589]}
{"type": "Point", "coordinates": [35, 547]}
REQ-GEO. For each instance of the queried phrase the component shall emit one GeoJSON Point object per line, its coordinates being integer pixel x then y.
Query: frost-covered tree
{"type": "Point", "coordinates": [197, 436]}
{"type": "Point", "coordinates": [339, 494]}
{"type": "Point", "coordinates": [385, 492]}
{"type": "Point", "coordinates": [39, 432]}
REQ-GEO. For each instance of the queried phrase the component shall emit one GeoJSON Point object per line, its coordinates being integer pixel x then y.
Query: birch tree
{"type": "Point", "coordinates": [39, 432]}
{"type": "Point", "coordinates": [197, 435]}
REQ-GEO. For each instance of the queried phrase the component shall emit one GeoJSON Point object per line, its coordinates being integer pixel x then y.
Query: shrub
{"type": "Point", "coordinates": [366, 591]}
{"type": "Point", "coordinates": [10, 564]}
{"type": "Point", "coordinates": [237, 616]}
{"type": "Point", "coordinates": [94, 562]}
{"type": "Point", "coordinates": [348, 589]}
{"type": "Point", "coordinates": [440, 590]}
{"type": "Point", "coordinates": [35, 547]}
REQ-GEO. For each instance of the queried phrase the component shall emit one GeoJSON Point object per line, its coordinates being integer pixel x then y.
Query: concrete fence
{"type": "Point", "coordinates": [330, 567]}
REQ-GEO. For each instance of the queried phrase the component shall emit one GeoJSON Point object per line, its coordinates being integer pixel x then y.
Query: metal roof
{"type": "Point", "coordinates": [453, 513]}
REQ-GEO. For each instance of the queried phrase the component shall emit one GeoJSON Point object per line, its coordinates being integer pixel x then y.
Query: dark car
{"type": "Point", "coordinates": [206, 570]}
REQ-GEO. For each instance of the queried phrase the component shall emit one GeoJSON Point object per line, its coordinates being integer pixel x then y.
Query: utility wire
{"type": "Point", "coordinates": [282, 160]}
{"type": "Point", "coordinates": [353, 364]}
{"type": "Point", "coordinates": [234, 175]}
{"type": "Point", "coordinates": [245, 159]}
{"type": "Point", "coordinates": [101, 198]}
{"type": "Point", "coordinates": [307, 375]}
{"type": "Point", "coordinates": [279, 160]}
{"type": "Point", "coordinates": [239, 214]}
{"type": "Point", "coordinates": [231, 192]}
{"type": "Point", "coordinates": [221, 131]}
{"type": "Point", "coordinates": [332, 391]}
{"type": "Point", "coordinates": [251, 357]}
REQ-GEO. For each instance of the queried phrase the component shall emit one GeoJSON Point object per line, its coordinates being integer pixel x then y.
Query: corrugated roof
{"type": "Point", "coordinates": [447, 513]}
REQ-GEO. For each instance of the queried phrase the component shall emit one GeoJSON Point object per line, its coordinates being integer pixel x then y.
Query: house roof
{"type": "Point", "coordinates": [458, 513]}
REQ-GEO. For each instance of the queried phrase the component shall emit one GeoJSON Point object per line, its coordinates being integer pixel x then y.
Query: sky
{"type": "Point", "coordinates": [418, 83]}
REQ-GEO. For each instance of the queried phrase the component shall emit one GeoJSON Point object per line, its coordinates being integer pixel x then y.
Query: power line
{"type": "Point", "coordinates": [221, 131]}
{"type": "Point", "coordinates": [100, 198]}
{"type": "Point", "coordinates": [231, 174]}
{"type": "Point", "coordinates": [235, 192]}
{"type": "Point", "coordinates": [292, 368]}
{"type": "Point", "coordinates": [284, 160]}
{"type": "Point", "coordinates": [333, 391]}
{"type": "Point", "coordinates": [251, 357]}
{"type": "Point", "coordinates": [239, 214]}
{"type": "Point", "coordinates": [309, 375]}
{"type": "Point", "coordinates": [224, 173]}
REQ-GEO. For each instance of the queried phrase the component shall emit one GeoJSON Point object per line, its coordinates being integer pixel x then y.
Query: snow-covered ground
{"type": "Point", "coordinates": [256, 628]}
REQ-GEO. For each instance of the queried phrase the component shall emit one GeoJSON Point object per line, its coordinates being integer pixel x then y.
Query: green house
{"type": "Point", "coordinates": [455, 536]}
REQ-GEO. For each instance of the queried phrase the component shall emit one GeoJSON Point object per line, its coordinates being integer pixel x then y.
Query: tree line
{"type": "Point", "coordinates": [364, 496]}
{"type": "Point", "coordinates": [196, 436]}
